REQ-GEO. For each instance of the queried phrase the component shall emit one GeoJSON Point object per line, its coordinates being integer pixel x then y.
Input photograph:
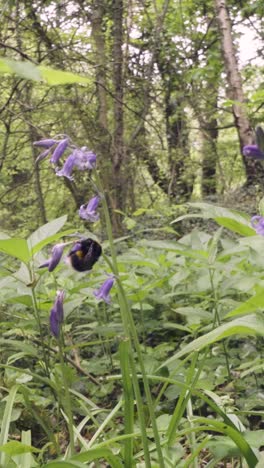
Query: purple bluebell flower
{"type": "Point", "coordinates": [253, 151]}
{"type": "Point", "coordinates": [59, 150]}
{"type": "Point", "coordinates": [55, 258]}
{"type": "Point", "coordinates": [68, 167]}
{"type": "Point", "coordinates": [104, 290]}
{"type": "Point", "coordinates": [88, 211]}
{"type": "Point", "coordinates": [45, 143]}
{"type": "Point", "coordinates": [57, 314]}
{"type": "Point", "coordinates": [257, 222]}
{"type": "Point", "coordinates": [85, 159]}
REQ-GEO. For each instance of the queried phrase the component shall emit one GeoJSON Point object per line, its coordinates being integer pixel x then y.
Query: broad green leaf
{"type": "Point", "coordinates": [26, 459]}
{"type": "Point", "coordinates": [16, 448]}
{"type": "Point", "coordinates": [16, 248]}
{"type": "Point", "coordinates": [55, 77]}
{"type": "Point", "coordinates": [233, 434]}
{"type": "Point", "coordinates": [25, 69]}
{"type": "Point", "coordinates": [253, 303]}
{"type": "Point", "coordinates": [232, 219]}
{"type": "Point", "coordinates": [249, 325]}
{"type": "Point", "coordinates": [45, 232]}
{"type": "Point", "coordinates": [29, 71]}
{"type": "Point", "coordinates": [97, 453]}
{"type": "Point", "coordinates": [65, 464]}
{"type": "Point", "coordinates": [236, 226]}
{"type": "Point", "coordinates": [52, 239]}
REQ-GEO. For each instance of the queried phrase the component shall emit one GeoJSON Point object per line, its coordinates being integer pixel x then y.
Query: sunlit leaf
{"type": "Point", "coordinates": [16, 248]}
{"type": "Point", "coordinates": [55, 77]}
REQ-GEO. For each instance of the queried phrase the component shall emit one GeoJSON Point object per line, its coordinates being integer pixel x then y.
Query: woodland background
{"type": "Point", "coordinates": [167, 108]}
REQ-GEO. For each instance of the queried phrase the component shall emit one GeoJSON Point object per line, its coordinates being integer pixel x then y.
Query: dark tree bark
{"type": "Point", "coordinates": [253, 168]}
{"type": "Point", "coordinates": [118, 194]}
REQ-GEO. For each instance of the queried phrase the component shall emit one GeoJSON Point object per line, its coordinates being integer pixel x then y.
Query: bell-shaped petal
{"type": "Point", "coordinates": [257, 222]}
{"type": "Point", "coordinates": [57, 314]}
{"type": "Point", "coordinates": [104, 290]}
{"type": "Point", "coordinates": [67, 169]}
{"type": "Point", "coordinates": [55, 258]}
{"type": "Point", "coordinates": [59, 150]}
{"type": "Point", "coordinates": [45, 143]}
{"type": "Point", "coordinates": [88, 211]}
{"type": "Point", "coordinates": [85, 160]}
{"type": "Point", "coordinates": [253, 151]}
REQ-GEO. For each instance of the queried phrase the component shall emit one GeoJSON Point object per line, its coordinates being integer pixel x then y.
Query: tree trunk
{"type": "Point", "coordinates": [252, 167]}
{"type": "Point", "coordinates": [118, 148]}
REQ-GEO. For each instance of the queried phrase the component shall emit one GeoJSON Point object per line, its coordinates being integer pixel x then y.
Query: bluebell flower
{"type": "Point", "coordinates": [67, 169]}
{"type": "Point", "coordinates": [257, 222]}
{"type": "Point", "coordinates": [88, 211]}
{"type": "Point", "coordinates": [85, 159]}
{"type": "Point", "coordinates": [253, 151]}
{"type": "Point", "coordinates": [45, 143]}
{"type": "Point", "coordinates": [104, 290]}
{"type": "Point", "coordinates": [59, 150]}
{"type": "Point", "coordinates": [55, 258]}
{"type": "Point", "coordinates": [57, 314]}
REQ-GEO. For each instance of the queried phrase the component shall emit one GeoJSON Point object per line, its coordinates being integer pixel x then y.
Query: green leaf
{"type": "Point", "coordinates": [250, 325]}
{"type": "Point", "coordinates": [233, 434]}
{"type": "Point", "coordinates": [29, 71]}
{"type": "Point", "coordinates": [55, 77]}
{"type": "Point", "coordinates": [249, 306]}
{"type": "Point", "coordinates": [7, 420]}
{"type": "Point", "coordinates": [25, 69]}
{"type": "Point", "coordinates": [17, 448]}
{"type": "Point", "coordinates": [235, 226]}
{"type": "Point", "coordinates": [44, 233]}
{"type": "Point", "coordinates": [16, 248]}
{"type": "Point", "coordinates": [97, 453]}
{"type": "Point", "coordinates": [234, 220]}
{"type": "Point", "coordinates": [65, 464]}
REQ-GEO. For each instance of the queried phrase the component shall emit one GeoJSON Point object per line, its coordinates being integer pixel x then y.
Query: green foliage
{"type": "Point", "coordinates": [200, 296]}
{"type": "Point", "coordinates": [30, 71]}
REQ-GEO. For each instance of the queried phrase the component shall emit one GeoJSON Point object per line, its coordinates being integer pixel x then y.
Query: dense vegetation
{"type": "Point", "coordinates": [121, 123]}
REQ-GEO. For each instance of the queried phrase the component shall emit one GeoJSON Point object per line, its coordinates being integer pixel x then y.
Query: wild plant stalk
{"type": "Point", "coordinates": [131, 333]}
{"type": "Point", "coordinates": [42, 341]}
{"type": "Point", "coordinates": [67, 402]}
{"type": "Point", "coordinates": [217, 320]}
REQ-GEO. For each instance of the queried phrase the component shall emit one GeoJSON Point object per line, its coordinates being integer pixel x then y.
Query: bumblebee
{"type": "Point", "coordinates": [84, 254]}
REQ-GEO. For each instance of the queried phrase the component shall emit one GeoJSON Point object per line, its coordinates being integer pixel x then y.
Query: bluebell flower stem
{"type": "Point", "coordinates": [37, 318]}
{"type": "Point", "coordinates": [67, 402]}
{"type": "Point", "coordinates": [131, 332]}
{"type": "Point", "coordinates": [217, 321]}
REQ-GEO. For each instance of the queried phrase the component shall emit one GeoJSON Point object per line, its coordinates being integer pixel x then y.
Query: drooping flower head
{"type": "Point", "coordinates": [88, 211]}
{"type": "Point", "coordinates": [45, 143]}
{"type": "Point", "coordinates": [85, 159]}
{"type": "Point", "coordinates": [57, 314]}
{"type": "Point", "coordinates": [59, 150]}
{"type": "Point", "coordinates": [67, 169]}
{"type": "Point", "coordinates": [81, 158]}
{"type": "Point", "coordinates": [257, 222]}
{"type": "Point", "coordinates": [253, 151]}
{"type": "Point", "coordinates": [55, 258]}
{"type": "Point", "coordinates": [104, 291]}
